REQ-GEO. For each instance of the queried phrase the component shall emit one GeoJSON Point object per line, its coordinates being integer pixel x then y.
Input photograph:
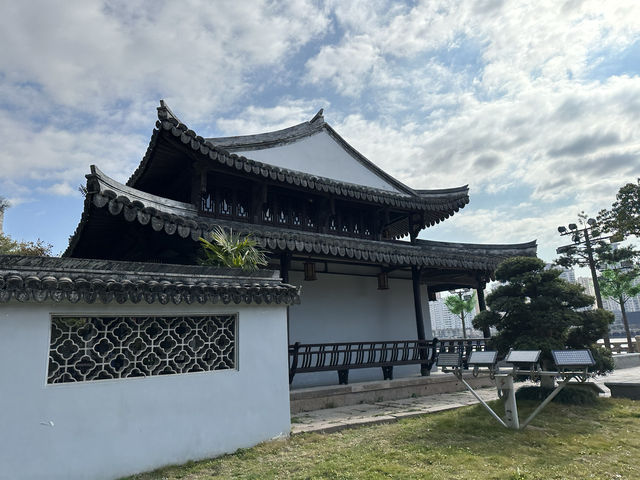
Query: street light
{"type": "Point", "coordinates": [582, 245]}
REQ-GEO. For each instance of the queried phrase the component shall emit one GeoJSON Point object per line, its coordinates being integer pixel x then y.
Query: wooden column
{"type": "Point", "coordinates": [285, 265]}
{"type": "Point", "coordinates": [486, 333]}
{"type": "Point", "coordinates": [417, 303]}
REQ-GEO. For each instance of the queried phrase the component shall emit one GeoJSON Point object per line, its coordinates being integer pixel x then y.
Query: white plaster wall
{"type": "Point", "coordinates": [344, 308]}
{"type": "Point", "coordinates": [106, 429]}
{"type": "Point", "coordinates": [320, 155]}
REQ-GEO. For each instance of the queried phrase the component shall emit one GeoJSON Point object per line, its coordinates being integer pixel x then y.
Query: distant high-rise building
{"type": "Point", "coordinates": [587, 284]}
{"type": "Point", "coordinates": [447, 325]}
{"type": "Point", "coordinates": [568, 274]}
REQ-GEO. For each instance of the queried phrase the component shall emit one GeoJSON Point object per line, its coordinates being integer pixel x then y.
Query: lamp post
{"type": "Point", "coordinates": [582, 245]}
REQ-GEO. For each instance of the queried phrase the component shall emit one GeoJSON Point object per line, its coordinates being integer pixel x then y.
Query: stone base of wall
{"type": "Point", "coordinates": [317, 398]}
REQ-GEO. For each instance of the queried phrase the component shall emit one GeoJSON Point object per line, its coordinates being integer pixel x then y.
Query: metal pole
{"type": "Point", "coordinates": [504, 382]}
{"type": "Point", "coordinates": [493, 414]}
{"type": "Point", "coordinates": [560, 386]}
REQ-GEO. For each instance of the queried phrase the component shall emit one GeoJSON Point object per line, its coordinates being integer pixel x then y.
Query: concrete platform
{"type": "Point", "coordinates": [317, 398]}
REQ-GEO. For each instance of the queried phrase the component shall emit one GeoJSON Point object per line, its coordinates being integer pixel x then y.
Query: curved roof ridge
{"type": "Point", "coordinates": [485, 246]}
{"type": "Point", "coordinates": [132, 193]}
{"type": "Point", "coordinates": [259, 141]}
{"type": "Point", "coordinates": [436, 191]}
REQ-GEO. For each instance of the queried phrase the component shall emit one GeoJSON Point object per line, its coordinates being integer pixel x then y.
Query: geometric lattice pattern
{"type": "Point", "coordinates": [100, 348]}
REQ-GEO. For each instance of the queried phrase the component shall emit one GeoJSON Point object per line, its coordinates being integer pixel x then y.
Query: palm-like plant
{"type": "Point", "coordinates": [233, 250]}
{"type": "Point", "coordinates": [459, 306]}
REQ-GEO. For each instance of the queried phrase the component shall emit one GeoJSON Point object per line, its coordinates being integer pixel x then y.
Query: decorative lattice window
{"type": "Point", "coordinates": [100, 348]}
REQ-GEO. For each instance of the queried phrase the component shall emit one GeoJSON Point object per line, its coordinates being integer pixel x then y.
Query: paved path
{"type": "Point", "coordinates": [334, 419]}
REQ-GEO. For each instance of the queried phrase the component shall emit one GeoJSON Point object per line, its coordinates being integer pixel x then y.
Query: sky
{"type": "Point", "coordinates": [534, 104]}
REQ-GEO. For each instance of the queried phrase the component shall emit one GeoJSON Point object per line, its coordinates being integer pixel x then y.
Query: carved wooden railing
{"type": "Point", "coordinates": [341, 357]}
{"type": "Point", "coordinates": [466, 345]}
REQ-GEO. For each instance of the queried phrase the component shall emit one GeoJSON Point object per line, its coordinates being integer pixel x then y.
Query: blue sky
{"type": "Point", "coordinates": [534, 104]}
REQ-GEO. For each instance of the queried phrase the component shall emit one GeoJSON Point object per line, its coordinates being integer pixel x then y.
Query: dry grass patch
{"type": "Point", "coordinates": [564, 442]}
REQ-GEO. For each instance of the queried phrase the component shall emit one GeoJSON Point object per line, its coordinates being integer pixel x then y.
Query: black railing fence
{"type": "Point", "coordinates": [344, 356]}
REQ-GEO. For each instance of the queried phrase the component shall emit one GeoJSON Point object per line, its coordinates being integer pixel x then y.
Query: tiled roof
{"type": "Point", "coordinates": [40, 279]}
{"type": "Point", "coordinates": [182, 219]}
{"type": "Point", "coordinates": [443, 203]}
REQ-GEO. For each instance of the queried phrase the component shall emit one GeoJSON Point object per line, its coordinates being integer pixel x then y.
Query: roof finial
{"type": "Point", "coordinates": [318, 116]}
{"type": "Point", "coordinates": [165, 113]}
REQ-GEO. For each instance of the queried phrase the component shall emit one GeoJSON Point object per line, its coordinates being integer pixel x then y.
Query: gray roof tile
{"type": "Point", "coordinates": [40, 279]}
{"type": "Point", "coordinates": [173, 217]}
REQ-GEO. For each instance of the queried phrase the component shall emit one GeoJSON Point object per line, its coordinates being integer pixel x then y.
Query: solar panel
{"type": "Point", "coordinates": [572, 358]}
{"type": "Point", "coordinates": [449, 360]}
{"type": "Point", "coordinates": [523, 356]}
{"type": "Point", "coordinates": [483, 358]}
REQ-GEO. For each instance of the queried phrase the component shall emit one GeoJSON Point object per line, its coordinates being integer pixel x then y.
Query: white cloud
{"type": "Point", "coordinates": [58, 155]}
{"type": "Point", "coordinates": [505, 96]}
{"type": "Point", "coordinates": [347, 67]}
{"type": "Point", "coordinates": [88, 54]}
{"type": "Point", "coordinates": [82, 79]}
{"type": "Point", "coordinates": [62, 189]}
{"type": "Point", "coordinates": [263, 119]}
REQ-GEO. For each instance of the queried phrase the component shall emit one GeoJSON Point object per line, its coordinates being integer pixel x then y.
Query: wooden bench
{"type": "Point", "coordinates": [342, 357]}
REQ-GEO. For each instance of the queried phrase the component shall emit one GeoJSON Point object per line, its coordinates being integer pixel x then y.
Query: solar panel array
{"type": "Point", "coordinates": [449, 360]}
{"type": "Point", "coordinates": [523, 356]}
{"type": "Point", "coordinates": [572, 358]}
{"type": "Point", "coordinates": [483, 358]}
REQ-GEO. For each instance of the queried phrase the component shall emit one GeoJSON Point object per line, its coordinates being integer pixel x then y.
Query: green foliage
{"type": "Point", "coordinates": [458, 305]}
{"type": "Point", "coordinates": [232, 250]}
{"type": "Point", "coordinates": [8, 246]}
{"type": "Point", "coordinates": [623, 218]}
{"type": "Point", "coordinates": [569, 395]}
{"type": "Point", "coordinates": [603, 358]}
{"type": "Point", "coordinates": [618, 284]}
{"type": "Point", "coordinates": [534, 309]}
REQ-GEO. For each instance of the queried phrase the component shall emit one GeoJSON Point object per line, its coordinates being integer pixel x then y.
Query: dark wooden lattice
{"type": "Point", "coordinates": [100, 348]}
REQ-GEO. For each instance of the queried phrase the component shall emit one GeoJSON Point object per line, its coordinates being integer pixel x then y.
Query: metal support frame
{"type": "Point", "coordinates": [506, 391]}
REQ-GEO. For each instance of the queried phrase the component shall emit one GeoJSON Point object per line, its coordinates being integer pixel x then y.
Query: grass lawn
{"type": "Point", "coordinates": [563, 442]}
